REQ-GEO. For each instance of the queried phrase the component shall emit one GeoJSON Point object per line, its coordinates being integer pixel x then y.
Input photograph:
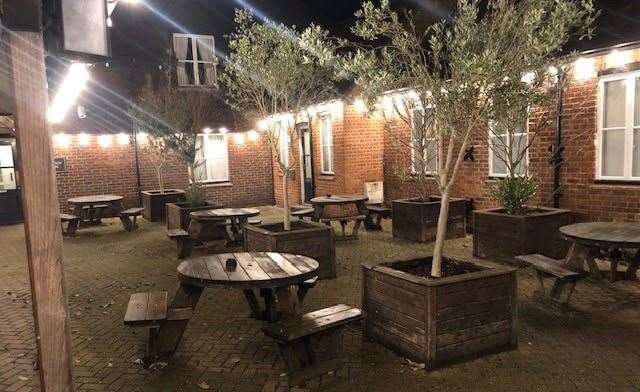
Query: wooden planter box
{"type": "Point", "coordinates": [418, 220]}
{"type": "Point", "coordinates": [440, 321]}
{"type": "Point", "coordinates": [154, 203]}
{"type": "Point", "coordinates": [500, 236]}
{"type": "Point", "coordinates": [305, 238]}
{"type": "Point", "coordinates": [178, 214]}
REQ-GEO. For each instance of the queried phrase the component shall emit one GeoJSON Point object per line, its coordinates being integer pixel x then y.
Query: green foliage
{"type": "Point", "coordinates": [270, 73]}
{"type": "Point", "coordinates": [513, 193]}
{"type": "Point", "coordinates": [176, 116]}
{"type": "Point", "coordinates": [195, 195]}
{"type": "Point", "coordinates": [467, 69]}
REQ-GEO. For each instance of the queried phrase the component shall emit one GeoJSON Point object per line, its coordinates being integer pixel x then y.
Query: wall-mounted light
{"type": "Point", "coordinates": [123, 139]}
{"type": "Point", "coordinates": [84, 139]}
{"type": "Point", "coordinates": [583, 68]}
{"type": "Point", "coordinates": [252, 135]}
{"type": "Point", "coordinates": [207, 130]}
{"type": "Point", "coordinates": [61, 140]}
{"type": "Point", "coordinates": [618, 58]}
{"type": "Point", "coordinates": [239, 138]}
{"type": "Point", "coordinates": [223, 130]}
{"type": "Point", "coordinates": [142, 138]}
{"type": "Point", "coordinates": [360, 105]}
{"type": "Point", "coordinates": [105, 140]}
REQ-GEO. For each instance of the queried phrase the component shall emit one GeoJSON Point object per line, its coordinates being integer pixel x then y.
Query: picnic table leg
{"type": "Point", "coordinates": [318, 210]}
{"type": "Point", "coordinates": [256, 310]}
{"type": "Point", "coordinates": [78, 210]}
{"type": "Point", "coordinates": [270, 312]}
{"type": "Point", "coordinates": [171, 331]}
{"type": "Point", "coordinates": [578, 255]}
{"type": "Point", "coordinates": [630, 274]}
{"type": "Point", "coordinates": [288, 302]}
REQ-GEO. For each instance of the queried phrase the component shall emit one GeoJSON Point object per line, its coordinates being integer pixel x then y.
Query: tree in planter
{"type": "Point", "coordinates": [176, 116]}
{"type": "Point", "coordinates": [271, 76]}
{"type": "Point", "coordinates": [157, 151]}
{"type": "Point", "coordinates": [457, 69]}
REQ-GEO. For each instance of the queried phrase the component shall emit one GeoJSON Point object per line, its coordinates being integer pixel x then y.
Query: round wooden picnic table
{"type": "Point", "coordinates": [320, 202]}
{"type": "Point", "coordinates": [79, 203]}
{"type": "Point", "coordinates": [273, 274]}
{"type": "Point", "coordinates": [206, 222]}
{"type": "Point", "coordinates": [615, 236]}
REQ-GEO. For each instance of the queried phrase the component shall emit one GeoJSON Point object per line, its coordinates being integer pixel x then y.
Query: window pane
{"type": "Point", "coordinates": [327, 132]}
{"type": "Point", "coordinates": [636, 110]}
{"type": "Point", "coordinates": [498, 150]}
{"type": "Point", "coordinates": [431, 156]}
{"type": "Point", "coordinates": [614, 104]}
{"type": "Point", "coordinates": [7, 179]}
{"type": "Point", "coordinates": [636, 153]}
{"type": "Point", "coordinates": [613, 153]}
{"type": "Point", "coordinates": [217, 158]}
{"type": "Point", "coordinates": [519, 153]}
{"type": "Point", "coordinates": [6, 156]}
{"type": "Point", "coordinates": [326, 159]}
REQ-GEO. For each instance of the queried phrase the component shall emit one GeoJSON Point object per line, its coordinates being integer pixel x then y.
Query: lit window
{"type": "Point", "coordinates": [619, 127]}
{"type": "Point", "coordinates": [326, 136]}
{"type": "Point", "coordinates": [424, 145]}
{"type": "Point", "coordinates": [212, 158]}
{"type": "Point", "coordinates": [196, 59]}
{"type": "Point", "coordinates": [503, 143]}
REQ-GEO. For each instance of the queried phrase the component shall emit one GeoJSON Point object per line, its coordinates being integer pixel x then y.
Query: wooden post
{"type": "Point", "coordinates": [41, 211]}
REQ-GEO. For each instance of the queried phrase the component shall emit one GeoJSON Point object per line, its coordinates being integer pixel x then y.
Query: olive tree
{"type": "Point", "coordinates": [269, 76]}
{"type": "Point", "coordinates": [176, 116]}
{"type": "Point", "coordinates": [460, 72]}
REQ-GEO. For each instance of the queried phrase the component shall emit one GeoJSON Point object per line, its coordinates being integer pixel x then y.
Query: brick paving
{"type": "Point", "coordinates": [593, 348]}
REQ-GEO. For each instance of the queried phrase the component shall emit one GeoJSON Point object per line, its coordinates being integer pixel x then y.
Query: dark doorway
{"type": "Point", "coordinates": [10, 202]}
{"type": "Point", "coordinates": [306, 162]}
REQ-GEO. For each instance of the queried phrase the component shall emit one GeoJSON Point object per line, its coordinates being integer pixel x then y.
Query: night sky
{"type": "Point", "coordinates": [137, 27]}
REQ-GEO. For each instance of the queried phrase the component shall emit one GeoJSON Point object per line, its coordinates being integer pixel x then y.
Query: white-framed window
{"type": "Point", "coordinates": [618, 156]}
{"type": "Point", "coordinates": [501, 142]}
{"type": "Point", "coordinates": [196, 60]}
{"type": "Point", "coordinates": [212, 158]}
{"type": "Point", "coordinates": [421, 142]}
{"type": "Point", "coordinates": [326, 141]}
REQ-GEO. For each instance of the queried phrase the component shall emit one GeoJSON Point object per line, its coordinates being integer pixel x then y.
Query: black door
{"type": "Point", "coordinates": [307, 163]}
{"type": "Point", "coordinates": [10, 202]}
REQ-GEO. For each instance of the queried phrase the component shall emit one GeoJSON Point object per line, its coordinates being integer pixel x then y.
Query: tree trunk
{"type": "Point", "coordinates": [441, 234]}
{"type": "Point", "coordinates": [285, 201]}
{"type": "Point", "coordinates": [160, 182]}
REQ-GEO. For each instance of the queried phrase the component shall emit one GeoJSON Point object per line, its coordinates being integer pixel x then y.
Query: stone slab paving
{"type": "Point", "coordinates": [594, 348]}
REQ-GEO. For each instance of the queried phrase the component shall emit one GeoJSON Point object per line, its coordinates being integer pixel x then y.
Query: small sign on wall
{"type": "Point", "coordinates": [60, 164]}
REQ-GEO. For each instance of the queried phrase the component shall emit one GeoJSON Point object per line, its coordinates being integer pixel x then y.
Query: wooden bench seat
{"type": "Point", "coordinates": [565, 279]}
{"type": "Point", "coordinates": [150, 310]}
{"type": "Point", "coordinates": [343, 220]}
{"type": "Point", "coordinates": [129, 216]}
{"type": "Point", "coordinates": [294, 340]}
{"type": "Point", "coordinates": [72, 222]}
{"type": "Point", "coordinates": [183, 241]}
{"type": "Point", "coordinates": [377, 212]}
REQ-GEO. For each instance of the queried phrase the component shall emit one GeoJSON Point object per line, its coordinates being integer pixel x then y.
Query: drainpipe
{"type": "Point", "coordinates": [135, 151]}
{"type": "Point", "coordinates": [557, 149]}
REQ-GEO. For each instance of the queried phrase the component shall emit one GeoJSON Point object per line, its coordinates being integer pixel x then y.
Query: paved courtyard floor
{"type": "Point", "coordinates": [596, 347]}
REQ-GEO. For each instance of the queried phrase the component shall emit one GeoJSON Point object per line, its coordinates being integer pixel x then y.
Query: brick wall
{"type": "Point", "coordinates": [358, 153]}
{"type": "Point", "coordinates": [94, 170]}
{"type": "Point", "coordinates": [587, 198]}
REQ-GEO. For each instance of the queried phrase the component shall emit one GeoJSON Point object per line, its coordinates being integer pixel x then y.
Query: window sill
{"type": "Point", "coordinates": [631, 184]}
{"type": "Point", "coordinates": [216, 184]}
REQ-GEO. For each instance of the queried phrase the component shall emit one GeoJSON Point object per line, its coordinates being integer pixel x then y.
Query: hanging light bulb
{"type": "Point", "coordinates": [239, 138]}
{"type": "Point", "coordinates": [123, 139]}
{"type": "Point", "coordinates": [84, 139]}
{"type": "Point", "coordinates": [105, 140]}
{"type": "Point", "coordinates": [252, 135]}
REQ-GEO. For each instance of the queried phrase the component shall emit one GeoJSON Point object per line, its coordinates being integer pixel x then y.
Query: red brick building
{"type": "Point", "coordinates": [599, 178]}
